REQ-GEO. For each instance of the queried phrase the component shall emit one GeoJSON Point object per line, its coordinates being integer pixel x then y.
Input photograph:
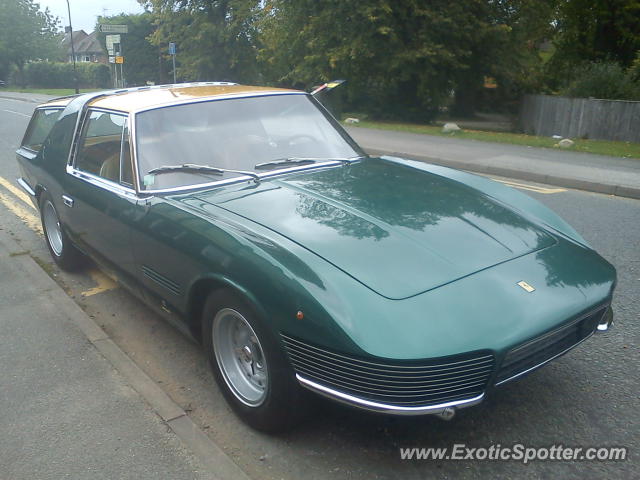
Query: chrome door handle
{"type": "Point", "coordinates": [67, 200]}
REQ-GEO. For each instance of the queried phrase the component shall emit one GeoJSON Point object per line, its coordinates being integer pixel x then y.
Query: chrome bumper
{"type": "Point", "coordinates": [606, 321]}
{"type": "Point", "coordinates": [443, 410]}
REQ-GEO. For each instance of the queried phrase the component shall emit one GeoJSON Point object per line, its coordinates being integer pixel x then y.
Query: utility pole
{"type": "Point", "coordinates": [73, 51]}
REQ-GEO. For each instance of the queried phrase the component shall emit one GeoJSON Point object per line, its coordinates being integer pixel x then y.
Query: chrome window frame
{"type": "Point", "coordinates": [91, 178]}
{"type": "Point", "coordinates": [241, 178]}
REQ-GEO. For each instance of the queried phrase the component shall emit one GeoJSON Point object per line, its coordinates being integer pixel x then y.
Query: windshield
{"type": "Point", "coordinates": [235, 134]}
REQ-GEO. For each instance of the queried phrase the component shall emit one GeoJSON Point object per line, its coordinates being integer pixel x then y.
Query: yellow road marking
{"type": "Point", "coordinates": [532, 188]}
{"type": "Point", "coordinates": [17, 192]}
{"type": "Point", "coordinates": [103, 283]}
{"type": "Point", "coordinates": [28, 218]}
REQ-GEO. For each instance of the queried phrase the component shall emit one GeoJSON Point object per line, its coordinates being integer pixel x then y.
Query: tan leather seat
{"type": "Point", "coordinates": [110, 168]}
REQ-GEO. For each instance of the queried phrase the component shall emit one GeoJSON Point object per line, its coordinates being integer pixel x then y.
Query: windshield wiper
{"type": "Point", "coordinates": [195, 168]}
{"type": "Point", "coordinates": [284, 162]}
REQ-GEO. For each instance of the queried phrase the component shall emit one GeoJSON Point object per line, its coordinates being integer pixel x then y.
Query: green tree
{"type": "Point", "coordinates": [27, 33]}
{"type": "Point", "coordinates": [402, 57]}
{"type": "Point", "coordinates": [504, 44]}
{"type": "Point", "coordinates": [215, 38]}
{"type": "Point", "coordinates": [144, 62]}
{"type": "Point", "coordinates": [594, 31]}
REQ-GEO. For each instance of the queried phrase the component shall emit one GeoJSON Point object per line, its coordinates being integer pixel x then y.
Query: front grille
{"type": "Point", "coordinates": [542, 349]}
{"type": "Point", "coordinates": [405, 384]}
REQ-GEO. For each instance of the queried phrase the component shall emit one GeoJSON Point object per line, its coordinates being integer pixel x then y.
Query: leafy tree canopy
{"type": "Point", "coordinates": [26, 33]}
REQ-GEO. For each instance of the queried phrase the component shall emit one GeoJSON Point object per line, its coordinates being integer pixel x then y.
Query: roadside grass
{"type": "Point", "coordinates": [58, 92]}
{"type": "Point", "coordinates": [601, 147]}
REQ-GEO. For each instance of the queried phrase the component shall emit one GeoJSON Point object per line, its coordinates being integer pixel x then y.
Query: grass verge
{"type": "Point", "coordinates": [57, 92]}
{"type": "Point", "coordinates": [601, 147]}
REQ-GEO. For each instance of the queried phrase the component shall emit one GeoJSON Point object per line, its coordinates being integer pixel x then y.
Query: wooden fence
{"type": "Point", "coordinates": [581, 118]}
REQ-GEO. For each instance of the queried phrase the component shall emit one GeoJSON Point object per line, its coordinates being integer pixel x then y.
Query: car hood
{"type": "Point", "coordinates": [397, 230]}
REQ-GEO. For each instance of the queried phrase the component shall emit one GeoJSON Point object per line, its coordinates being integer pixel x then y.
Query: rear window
{"type": "Point", "coordinates": [40, 125]}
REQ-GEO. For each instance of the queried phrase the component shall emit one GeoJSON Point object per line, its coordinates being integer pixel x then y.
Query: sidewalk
{"type": "Point", "coordinates": [73, 404]}
{"type": "Point", "coordinates": [584, 171]}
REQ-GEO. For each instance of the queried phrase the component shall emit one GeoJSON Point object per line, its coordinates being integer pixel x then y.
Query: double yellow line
{"type": "Point", "coordinates": [29, 216]}
{"type": "Point", "coordinates": [531, 188]}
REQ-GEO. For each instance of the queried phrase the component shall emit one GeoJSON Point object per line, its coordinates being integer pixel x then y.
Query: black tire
{"type": "Point", "coordinates": [65, 253]}
{"type": "Point", "coordinates": [283, 404]}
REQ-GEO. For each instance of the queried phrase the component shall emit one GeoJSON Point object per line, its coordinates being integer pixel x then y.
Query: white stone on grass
{"type": "Point", "coordinates": [450, 128]}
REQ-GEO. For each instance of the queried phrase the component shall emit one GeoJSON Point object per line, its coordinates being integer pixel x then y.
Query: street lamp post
{"type": "Point", "coordinates": [73, 51]}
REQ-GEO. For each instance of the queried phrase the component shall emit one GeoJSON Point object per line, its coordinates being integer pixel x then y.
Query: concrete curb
{"type": "Point", "coordinates": [208, 453]}
{"type": "Point", "coordinates": [590, 186]}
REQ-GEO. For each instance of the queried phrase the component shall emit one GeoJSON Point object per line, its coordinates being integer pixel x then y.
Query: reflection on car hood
{"type": "Point", "coordinates": [398, 230]}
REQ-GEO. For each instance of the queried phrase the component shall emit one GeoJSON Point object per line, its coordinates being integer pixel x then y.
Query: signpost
{"type": "Point", "coordinates": [172, 52]}
{"type": "Point", "coordinates": [114, 49]}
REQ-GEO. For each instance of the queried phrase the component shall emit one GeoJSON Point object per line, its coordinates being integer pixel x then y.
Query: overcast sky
{"type": "Point", "coordinates": [84, 12]}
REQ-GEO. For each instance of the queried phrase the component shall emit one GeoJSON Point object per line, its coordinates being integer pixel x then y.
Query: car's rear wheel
{"type": "Point", "coordinates": [249, 365]}
{"type": "Point", "coordinates": [64, 253]}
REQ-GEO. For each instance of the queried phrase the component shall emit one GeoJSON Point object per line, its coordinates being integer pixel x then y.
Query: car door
{"type": "Point", "coordinates": [98, 191]}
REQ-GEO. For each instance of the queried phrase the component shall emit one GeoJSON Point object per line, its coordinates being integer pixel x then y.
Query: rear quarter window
{"type": "Point", "coordinates": [39, 127]}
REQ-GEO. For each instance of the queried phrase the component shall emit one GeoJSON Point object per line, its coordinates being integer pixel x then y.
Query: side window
{"type": "Point", "coordinates": [101, 145]}
{"type": "Point", "coordinates": [40, 125]}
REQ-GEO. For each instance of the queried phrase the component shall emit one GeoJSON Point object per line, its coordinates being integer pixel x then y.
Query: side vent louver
{"type": "Point", "coordinates": [161, 280]}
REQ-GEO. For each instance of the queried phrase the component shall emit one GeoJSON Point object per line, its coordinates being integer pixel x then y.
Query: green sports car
{"type": "Point", "coordinates": [248, 218]}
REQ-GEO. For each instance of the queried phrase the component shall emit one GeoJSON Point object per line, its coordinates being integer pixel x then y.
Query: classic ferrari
{"type": "Point", "coordinates": [249, 219]}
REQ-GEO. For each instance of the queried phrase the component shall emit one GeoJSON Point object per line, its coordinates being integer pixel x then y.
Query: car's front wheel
{"type": "Point", "coordinates": [64, 253]}
{"type": "Point", "coordinates": [248, 364]}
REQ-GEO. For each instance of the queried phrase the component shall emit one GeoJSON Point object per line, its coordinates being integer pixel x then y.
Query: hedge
{"type": "Point", "coordinates": [60, 75]}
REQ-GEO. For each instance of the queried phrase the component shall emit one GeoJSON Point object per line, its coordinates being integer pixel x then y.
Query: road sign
{"type": "Point", "coordinates": [111, 40]}
{"type": "Point", "coordinates": [112, 59]}
{"type": "Point", "coordinates": [119, 59]}
{"type": "Point", "coordinates": [172, 48]}
{"type": "Point", "coordinates": [104, 28]}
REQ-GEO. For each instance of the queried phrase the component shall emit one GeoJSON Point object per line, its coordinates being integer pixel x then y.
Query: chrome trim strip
{"type": "Point", "coordinates": [77, 132]}
{"type": "Point", "coordinates": [102, 183]}
{"type": "Point", "coordinates": [407, 393]}
{"type": "Point", "coordinates": [382, 407]}
{"type": "Point", "coordinates": [26, 187]}
{"type": "Point", "coordinates": [243, 178]}
{"type": "Point", "coordinates": [513, 377]}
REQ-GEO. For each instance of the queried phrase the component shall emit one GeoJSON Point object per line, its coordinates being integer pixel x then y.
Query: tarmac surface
{"type": "Point", "coordinates": [564, 168]}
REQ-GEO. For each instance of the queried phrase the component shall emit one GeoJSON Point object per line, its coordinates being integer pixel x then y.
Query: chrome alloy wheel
{"type": "Point", "coordinates": [52, 228]}
{"type": "Point", "coordinates": [240, 357]}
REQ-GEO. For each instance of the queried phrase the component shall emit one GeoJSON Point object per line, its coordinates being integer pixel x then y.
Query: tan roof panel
{"type": "Point", "coordinates": [131, 101]}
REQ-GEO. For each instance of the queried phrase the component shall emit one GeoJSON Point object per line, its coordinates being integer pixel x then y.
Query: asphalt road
{"type": "Point", "coordinates": [586, 398]}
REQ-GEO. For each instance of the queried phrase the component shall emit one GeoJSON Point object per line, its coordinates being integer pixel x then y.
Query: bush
{"type": "Point", "coordinates": [607, 80]}
{"type": "Point", "coordinates": [60, 75]}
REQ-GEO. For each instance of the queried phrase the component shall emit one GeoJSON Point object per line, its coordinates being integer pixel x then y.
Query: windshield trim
{"type": "Point", "coordinates": [241, 178]}
{"type": "Point", "coordinates": [247, 178]}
